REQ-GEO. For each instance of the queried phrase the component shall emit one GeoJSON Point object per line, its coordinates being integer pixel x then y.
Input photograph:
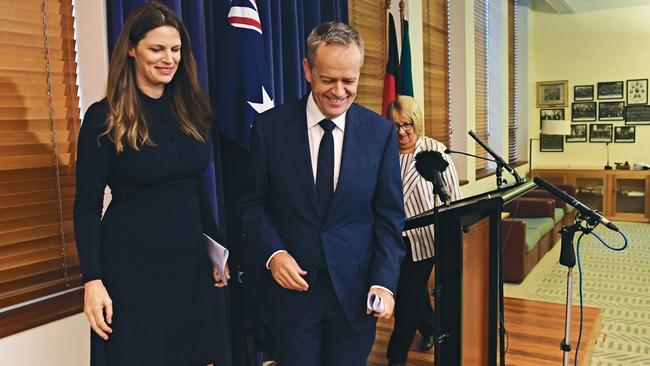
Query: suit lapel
{"type": "Point", "coordinates": [298, 143]}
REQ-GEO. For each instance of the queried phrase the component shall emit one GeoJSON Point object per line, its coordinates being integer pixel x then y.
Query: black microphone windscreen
{"type": "Point", "coordinates": [427, 162]}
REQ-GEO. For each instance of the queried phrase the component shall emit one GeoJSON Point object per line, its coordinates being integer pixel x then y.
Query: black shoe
{"type": "Point", "coordinates": [426, 343]}
{"type": "Point", "coordinates": [391, 363]}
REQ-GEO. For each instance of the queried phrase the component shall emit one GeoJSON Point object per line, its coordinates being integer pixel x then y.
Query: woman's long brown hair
{"type": "Point", "coordinates": [126, 124]}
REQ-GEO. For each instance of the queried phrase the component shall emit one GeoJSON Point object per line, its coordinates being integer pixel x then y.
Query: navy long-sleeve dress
{"type": "Point", "coordinates": [148, 248]}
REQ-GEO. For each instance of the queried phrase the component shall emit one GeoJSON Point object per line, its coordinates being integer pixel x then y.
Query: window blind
{"type": "Point", "coordinates": [368, 18]}
{"type": "Point", "coordinates": [39, 121]}
{"type": "Point", "coordinates": [481, 127]}
{"type": "Point", "coordinates": [513, 117]}
{"type": "Point", "coordinates": [436, 69]}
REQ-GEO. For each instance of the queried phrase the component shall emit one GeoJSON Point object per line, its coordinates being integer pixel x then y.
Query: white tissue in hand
{"type": "Point", "coordinates": [375, 303]}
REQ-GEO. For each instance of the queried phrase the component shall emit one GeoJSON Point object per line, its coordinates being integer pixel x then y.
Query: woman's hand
{"type": "Point", "coordinates": [98, 307]}
{"type": "Point", "coordinates": [218, 281]}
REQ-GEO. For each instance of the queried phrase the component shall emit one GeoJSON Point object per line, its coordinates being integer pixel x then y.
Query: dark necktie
{"type": "Point", "coordinates": [325, 169]}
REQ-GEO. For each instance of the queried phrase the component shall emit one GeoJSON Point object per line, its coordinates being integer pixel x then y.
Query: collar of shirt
{"type": "Point", "coordinates": [314, 115]}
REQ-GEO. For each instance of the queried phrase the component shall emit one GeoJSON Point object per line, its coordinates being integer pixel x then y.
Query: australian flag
{"type": "Point", "coordinates": [247, 82]}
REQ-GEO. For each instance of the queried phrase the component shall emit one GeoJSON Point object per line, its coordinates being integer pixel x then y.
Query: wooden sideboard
{"type": "Point", "coordinates": [622, 195]}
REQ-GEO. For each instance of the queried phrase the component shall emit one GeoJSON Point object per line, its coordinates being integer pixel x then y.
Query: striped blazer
{"type": "Point", "coordinates": [418, 195]}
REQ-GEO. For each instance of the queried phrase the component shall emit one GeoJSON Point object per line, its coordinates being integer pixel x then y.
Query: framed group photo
{"type": "Point", "coordinates": [551, 143]}
{"type": "Point", "coordinates": [550, 114]}
{"type": "Point", "coordinates": [611, 111]}
{"type": "Point", "coordinates": [583, 111]}
{"type": "Point", "coordinates": [578, 133]}
{"type": "Point", "coordinates": [600, 132]}
{"type": "Point", "coordinates": [637, 115]}
{"type": "Point", "coordinates": [624, 133]}
{"type": "Point", "coordinates": [637, 91]}
{"type": "Point", "coordinates": [610, 90]}
{"type": "Point", "coordinates": [583, 93]}
{"type": "Point", "coordinates": [552, 94]}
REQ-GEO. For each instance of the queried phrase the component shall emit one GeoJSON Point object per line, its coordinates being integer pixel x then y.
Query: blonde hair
{"type": "Point", "coordinates": [407, 106]}
{"type": "Point", "coordinates": [126, 124]}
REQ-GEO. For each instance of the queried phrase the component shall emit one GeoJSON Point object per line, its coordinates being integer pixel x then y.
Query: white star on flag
{"type": "Point", "coordinates": [267, 103]}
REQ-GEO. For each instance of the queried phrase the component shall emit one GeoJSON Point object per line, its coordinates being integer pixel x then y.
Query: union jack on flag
{"type": "Point", "coordinates": [246, 79]}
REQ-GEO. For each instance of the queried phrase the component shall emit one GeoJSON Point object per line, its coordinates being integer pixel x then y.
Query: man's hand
{"type": "Point", "coordinates": [389, 303]}
{"type": "Point", "coordinates": [287, 273]}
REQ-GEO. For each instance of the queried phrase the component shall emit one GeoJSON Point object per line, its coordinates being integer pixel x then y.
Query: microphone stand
{"type": "Point", "coordinates": [568, 259]}
{"type": "Point", "coordinates": [499, 170]}
{"type": "Point", "coordinates": [500, 181]}
{"type": "Point", "coordinates": [498, 159]}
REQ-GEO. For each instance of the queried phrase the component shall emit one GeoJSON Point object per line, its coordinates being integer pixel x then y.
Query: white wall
{"type": "Point", "coordinates": [66, 342]}
{"type": "Point", "coordinates": [586, 48]}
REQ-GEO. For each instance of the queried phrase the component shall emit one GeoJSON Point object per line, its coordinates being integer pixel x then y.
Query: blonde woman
{"type": "Point", "coordinates": [412, 304]}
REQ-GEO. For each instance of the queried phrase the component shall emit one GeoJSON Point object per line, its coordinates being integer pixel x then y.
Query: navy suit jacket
{"type": "Point", "coordinates": [360, 235]}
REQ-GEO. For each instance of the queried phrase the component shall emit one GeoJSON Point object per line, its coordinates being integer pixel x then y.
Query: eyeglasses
{"type": "Point", "coordinates": [406, 126]}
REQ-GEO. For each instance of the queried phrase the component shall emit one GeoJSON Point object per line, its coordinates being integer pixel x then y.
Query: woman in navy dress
{"type": "Point", "coordinates": [150, 290]}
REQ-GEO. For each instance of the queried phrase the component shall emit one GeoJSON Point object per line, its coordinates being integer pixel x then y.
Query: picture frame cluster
{"type": "Point", "coordinates": [595, 109]}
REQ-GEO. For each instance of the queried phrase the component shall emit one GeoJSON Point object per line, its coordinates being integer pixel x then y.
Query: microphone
{"type": "Point", "coordinates": [430, 165]}
{"type": "Point", "coordinates": [450, 151]}
{"type": "Point", "coordinates": [497, 157]}
{"type": "Point", "coordinates": [584, 209]}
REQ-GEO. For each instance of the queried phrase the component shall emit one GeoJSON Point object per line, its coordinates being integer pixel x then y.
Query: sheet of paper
{"type": "Point", "coordinates": [218, 256]}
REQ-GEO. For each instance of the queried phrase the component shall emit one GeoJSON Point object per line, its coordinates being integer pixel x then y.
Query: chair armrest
{"type": "Point", "coordinates": [531, 207]}
{"type": "Point", "coordinates": [539, 193]}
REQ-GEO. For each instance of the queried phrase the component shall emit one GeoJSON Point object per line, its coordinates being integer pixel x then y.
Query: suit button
{"type": "Point", "coordinates": [182, 155]}
{"type": "Point", "coordinates": [173, 137]}
{"type": "Point", "coordinates": [243, 235]}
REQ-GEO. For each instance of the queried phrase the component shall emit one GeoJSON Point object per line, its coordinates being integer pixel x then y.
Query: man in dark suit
{"type": "Point", "coordinates": [325, 210]}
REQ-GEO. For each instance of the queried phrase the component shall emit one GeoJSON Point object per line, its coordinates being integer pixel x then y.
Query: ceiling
{"type": "Point", "coordinates": [577, 6]}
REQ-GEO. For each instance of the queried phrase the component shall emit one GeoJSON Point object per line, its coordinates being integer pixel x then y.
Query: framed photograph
{"type": "Point", "coordinates": [550, 114]}
{"type": "Point", "coordinates": [610, 90]}
{"type": "Point", "coordinates": [551, 143]}
{"type": "Point", "coordinates": [611, 111]}
{"type": "Point", "coordinates": [583, 92]}
{"type": "Point", "coordinates": [637, 115]}
{"type": "Point", "coordinates": [578, 133]}
{"type": "Point", "coordinates": [624, 133]}
{"type": "Point", "coordinates": [552, 94]}
{"type": "Point", "coordinates": [637, 91]}
{"type": "Point", "coordinates": [583, 111]}
{"type": "Point", "coordinates": [600, 132]}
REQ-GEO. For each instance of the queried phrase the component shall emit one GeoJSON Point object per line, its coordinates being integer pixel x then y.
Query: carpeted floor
{"type": "Point", "coordinates": [616, 282]}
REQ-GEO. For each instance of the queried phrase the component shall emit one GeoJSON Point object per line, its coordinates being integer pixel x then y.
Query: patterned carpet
{"type": "Point", "coordinates": [616, 282]}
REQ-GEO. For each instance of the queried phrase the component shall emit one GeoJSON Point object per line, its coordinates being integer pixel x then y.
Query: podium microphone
{"type": "Point", "coordinates": [430, 165]}
{"type": "Point", "coordinates": [585, 210]}
{"type": "Point", "coordinates": [497, 157]}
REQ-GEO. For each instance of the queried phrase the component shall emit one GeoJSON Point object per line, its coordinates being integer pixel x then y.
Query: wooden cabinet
{"type": "Point", "coordinates": [619, 194]}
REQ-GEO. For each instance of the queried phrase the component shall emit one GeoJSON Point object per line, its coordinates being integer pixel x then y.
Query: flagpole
{"type": "Point", "coordinates": [402, 6]}
{"type": "Point", "coordinates": [386, 21]}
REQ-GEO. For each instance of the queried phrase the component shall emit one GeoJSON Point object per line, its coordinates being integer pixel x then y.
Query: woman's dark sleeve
{"type": "Point", "coordinates": [93, 164]}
